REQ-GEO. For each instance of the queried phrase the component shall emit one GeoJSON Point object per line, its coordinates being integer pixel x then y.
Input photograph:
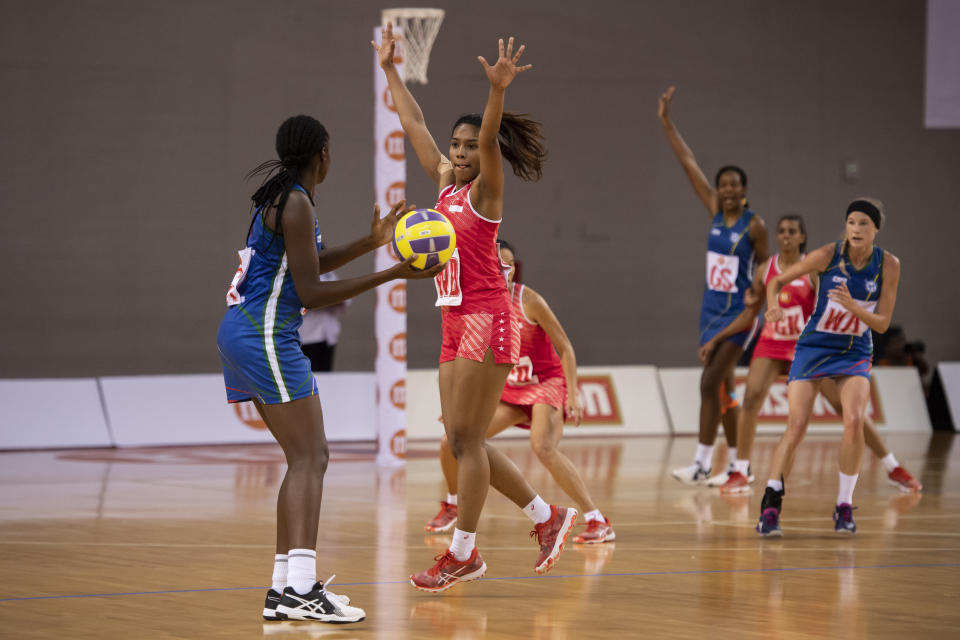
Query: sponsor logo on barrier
{"type": "Point", "coordinates": [397, 297]}
{"type": "Point", "coordinates": [398, 394]}
{"type": "Point", "coordinates": [398, 347]}
{"type": "Point", "coordinates": [393, 145]}
{"type": "Point", "coordinates": [598, 397]}
{"type": "Point", "coordinates": [247, 414]}
{"type": "Point", "coordinates": [398, 444]}
{"type": "Point", "coordinates": [395, 193]}
{"type": "Point", "coordinates": [775, 408]}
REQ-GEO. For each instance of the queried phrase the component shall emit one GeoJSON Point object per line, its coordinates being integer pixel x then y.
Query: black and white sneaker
{"type": "Point", "coordinates": [270, 606]}
{"type": "Point", "coordinates": [318, 605]}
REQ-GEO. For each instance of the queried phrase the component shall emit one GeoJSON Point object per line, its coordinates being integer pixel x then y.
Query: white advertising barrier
{"type": "Point", "coordinates": [52, 413]}
{"type": "Point", "coordinates": [616, 401]}
{"type": "Point", "coordinates": [896, 403]}
{"type": "Point", "coordinates": [950, 378]}
{"type": "Point", "coordinates": [193, 409]}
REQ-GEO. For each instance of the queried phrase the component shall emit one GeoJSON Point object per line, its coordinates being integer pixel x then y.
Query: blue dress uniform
{"type": "Point", "coordinates": [730, 266]}
{"type": "Point", "coordinates": [835, 342]}
{"type": "Point", "coordinates": [258, 338]}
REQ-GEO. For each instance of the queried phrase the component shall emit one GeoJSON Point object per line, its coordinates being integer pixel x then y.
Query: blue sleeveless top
{"type": "Point", "coordinates": [833, 327]}
{"type": "Point", "coordinates": [267, 292]}
{"type": "Point", "coordinates": [730, 266]}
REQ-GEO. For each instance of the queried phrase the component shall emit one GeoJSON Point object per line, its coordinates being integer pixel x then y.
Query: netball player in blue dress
{"type": "Point", "coordinates": [279, 275]}
{"type": "Point", "coordinates": [736, 243]}
{"type": "Point", "coordinates": [857, 294]}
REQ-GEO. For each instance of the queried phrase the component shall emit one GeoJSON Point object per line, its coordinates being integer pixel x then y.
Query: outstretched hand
{"type": "Point", "coordinates": [505, 70]}
{"type": "Point", "coordinates": [663, 108]}
{"type": "Point", "coordinates": [381, 229]}
{"type": "Point", "coordinates": [387, 47]}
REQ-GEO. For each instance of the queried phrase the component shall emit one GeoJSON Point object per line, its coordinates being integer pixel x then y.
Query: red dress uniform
{"type": "Point", "coordinates": [538, 377]}
{"type": "Point", "coordinates": [472, 292]}
{"type": "Point", "coordinates": [778, 341]}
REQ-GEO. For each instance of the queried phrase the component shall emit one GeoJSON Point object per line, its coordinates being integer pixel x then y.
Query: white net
{"type": "Point", "coordinates": [419, 28]}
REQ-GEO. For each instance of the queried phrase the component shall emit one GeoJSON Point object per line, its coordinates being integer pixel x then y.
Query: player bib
{"type": "Point", "coordinates": [449, 293]}
{"type": "Point", "coordinates": [722, 271]}
{"type": "Point", "coordinates": [233, 295]}
{"type": "Point", "coordinates": [791, 326]}
{"type": "Point", "coordinates": [839, 321]}
{"type": "Point", "coordinates": [522, 373]}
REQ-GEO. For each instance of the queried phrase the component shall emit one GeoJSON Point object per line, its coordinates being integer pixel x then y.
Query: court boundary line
{"type": "Point", "coordinates": [505, 578]}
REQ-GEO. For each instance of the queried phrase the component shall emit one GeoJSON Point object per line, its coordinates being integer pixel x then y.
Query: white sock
{"type": "Point", "coordinates": [890, 462]}
{"type": "Point", "coordinates": [301, 570]}
{"type": "Point", "coordinates": [743, 466]}
{"type": "Point", "coordinates": [462, 545]}
{"type": "Point", "coordinates": [731, 456]}
{"type": "Point", "coordinates": [847, 483]}
{"type": "Point", "coordinates": [452, 498]}
{"type": "Point", "coordinates": [776, 485]}
{"type": "Point", "coordinates": [537, 510]}
{"type": "Point", "coordinates": [279, 572]}
{"type": "Point", "coordinates": [704, 455]}
{"type": "Point", "coordinates": [593, 515]}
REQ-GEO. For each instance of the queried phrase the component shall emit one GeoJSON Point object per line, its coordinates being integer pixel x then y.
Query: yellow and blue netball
{"type": "Point", "coordinates": [426, 234]}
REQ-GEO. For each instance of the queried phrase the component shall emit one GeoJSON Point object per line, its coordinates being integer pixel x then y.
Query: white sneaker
{"type": "Point", "coordinates": [694, 474]}
{"type": "Point", "coordinates": [720, 479]}
{"type": "Point", "coordinates": [319, 605]}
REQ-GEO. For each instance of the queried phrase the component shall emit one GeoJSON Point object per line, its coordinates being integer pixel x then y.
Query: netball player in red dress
{"type": "Point", "coordinates": [537, 396]}
{"type": "Point", "coordinates": [774, 351]}
{"type": "Point", "coordinates": [480, 339]}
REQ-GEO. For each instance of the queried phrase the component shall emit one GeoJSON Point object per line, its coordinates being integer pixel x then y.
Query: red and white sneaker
{"type": "Point", "coordinates": [901, 479]}
{"type": "Point", "coordinates": [597, 531]}
{"type": "Point", "coordinates": [736, 483]}
{"type": "Point", "coordinates": [449, 571]}
{"type": "Point", "coordinates": [552, 535]}
{"type": "Point", "coordinates": [443, 520]}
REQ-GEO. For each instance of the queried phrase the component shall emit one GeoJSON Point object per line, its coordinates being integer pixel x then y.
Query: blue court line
{"type": "Point", "coordinates": [556, 577]}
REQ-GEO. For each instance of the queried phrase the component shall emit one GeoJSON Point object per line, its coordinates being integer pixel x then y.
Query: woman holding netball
{"type": "Point", "coordinates": [481, 342]}
{"type": "Point", "coordinates": [857, 294]}
{"type": "Point", "coordinates": [279, 275]}
{"type": "Point", "coordinates": [736, 242]}
{"type": "Point", "coordinates": [540, 391]}
{"type": "Point", "coordinates": [773, 354]}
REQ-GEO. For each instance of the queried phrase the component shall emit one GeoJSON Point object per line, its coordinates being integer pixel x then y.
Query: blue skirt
{"type": "Point", "coordinates": [812, 363]}
{"type": "Point", "coordinates": [255, 368]}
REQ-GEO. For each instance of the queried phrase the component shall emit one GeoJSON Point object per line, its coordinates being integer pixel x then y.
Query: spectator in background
{"type": "Point", "coordinates": [893, 350]}
{"type": "Point", "coordinates": [320, 331]}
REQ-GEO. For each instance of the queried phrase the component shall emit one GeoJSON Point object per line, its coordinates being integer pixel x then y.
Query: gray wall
{"type": "Point", "coordinates": [126, 128]}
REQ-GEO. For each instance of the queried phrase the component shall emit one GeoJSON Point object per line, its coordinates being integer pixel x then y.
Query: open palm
{"type": "Point", "coordinates": [505, 70]}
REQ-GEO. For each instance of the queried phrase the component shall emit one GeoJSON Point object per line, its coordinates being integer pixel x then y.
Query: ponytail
{"type": "Point", "coordinates": [521, 142]}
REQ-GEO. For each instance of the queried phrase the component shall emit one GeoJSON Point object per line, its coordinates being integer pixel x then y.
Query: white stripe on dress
{"type": "Point", "coordinates": [269, 322]}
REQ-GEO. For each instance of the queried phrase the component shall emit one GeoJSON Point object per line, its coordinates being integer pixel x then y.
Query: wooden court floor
{"type": "Point", "coordinates": [178, 543]}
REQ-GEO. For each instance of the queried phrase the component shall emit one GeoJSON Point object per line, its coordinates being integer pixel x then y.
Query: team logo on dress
{"type": "Point", "coordinates": [715, 231]}
{"type": "Point", "coordinates": [871, 286]}
{"type": "Point", "coordinates": [734, 237]}
{"type": "Point", "coordinates": [839, 280]}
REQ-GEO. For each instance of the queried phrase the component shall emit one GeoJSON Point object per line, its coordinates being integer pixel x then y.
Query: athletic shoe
{"type": "Point", "coordinates": [901, 479]}
{"type": "Point", "coordinates": [770, 507]}
{"type": "Point", "coordinates": [270, 606]}
{"type": "Point", "coordinates": [317, 605]}
{"type": "Point", "coordinates": [449, 571]}
{"type": "Point", "coordinates": [552, 535]}
{"type": "Point", "coordinates": [694, 474]}
{"type": "Point", "coordinates": [736, 483]}
{"type": "Point", "coordinates": [597, 531]}
{"type": "Point", "coordinates": [444, 520]}
{"type": "Point", "coordinates": [843, 519]}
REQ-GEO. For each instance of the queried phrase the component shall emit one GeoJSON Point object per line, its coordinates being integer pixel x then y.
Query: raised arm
{"type": "Point", "coordinates": [758, 236]}
{"type": "Point", "coordinates": [815, 261]}
{"type": "Point", "coordinates": [537, 309]}
{"type": "Point", "coordinates": [879, 318]}
{"type": "Point", "coordinates": [301, 246]}
{"type": "Point", "coordinates": [488, 187]}
{"type": "Point", "coordinates": [381, 231]}
{"type": "Point", "coordinates": [753, 297]}
{"type": "Point", "coordinates": [437, 167]}
{"type": "Point", "coordinates": [706, 193]}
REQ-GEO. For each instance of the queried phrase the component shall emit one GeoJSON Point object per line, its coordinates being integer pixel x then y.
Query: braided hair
{"type": "Point", "coordinates": [299, 139]}
{"type": "Point", "coordinates": [521, 142]}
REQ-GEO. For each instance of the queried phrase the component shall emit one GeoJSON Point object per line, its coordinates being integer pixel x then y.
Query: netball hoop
{"type": "Point", "coordinates": [419, 27]}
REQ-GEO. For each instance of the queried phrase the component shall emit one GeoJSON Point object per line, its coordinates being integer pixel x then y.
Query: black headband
{"type": "Point", "coordinates": [867, 208]}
